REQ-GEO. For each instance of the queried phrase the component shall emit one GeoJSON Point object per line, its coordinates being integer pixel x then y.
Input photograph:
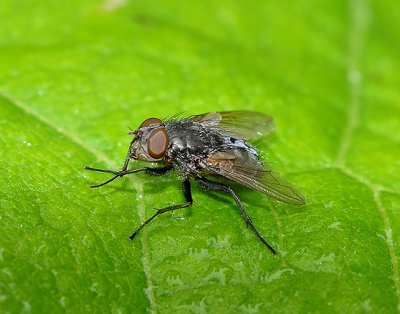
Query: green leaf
{"type": "Point", "coordinates": [75, 75]}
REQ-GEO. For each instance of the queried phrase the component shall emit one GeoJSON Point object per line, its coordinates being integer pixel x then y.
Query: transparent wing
{"type": "Point", "coordinates": [240, 124]}
{"type": "Point", "coordinates": [253, 174]}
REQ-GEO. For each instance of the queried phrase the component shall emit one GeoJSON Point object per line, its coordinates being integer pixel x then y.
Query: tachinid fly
{"type": "Point", "coordinates": [203, 146]}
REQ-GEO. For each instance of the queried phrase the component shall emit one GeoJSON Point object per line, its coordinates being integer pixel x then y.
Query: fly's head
{"type": "Point", "coordinates": [150, 142]}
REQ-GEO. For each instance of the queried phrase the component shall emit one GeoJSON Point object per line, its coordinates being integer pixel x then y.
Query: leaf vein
{"type": "Point", "coordinates": [359, 24]}
{"type": "Point", "coordinates": [138, 183]}
{"type": "Point", "coordinates": [389, 241]}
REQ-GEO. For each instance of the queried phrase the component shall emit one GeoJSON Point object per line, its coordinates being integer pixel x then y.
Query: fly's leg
{"type": "Point", "coordinates": [124, 172]}
{"type": "Point", "coordinates": [187, 192]}
{"type": "Point", "coordinates": [158, 171]}
{"type": "Point", "coordinates": [221, 187]}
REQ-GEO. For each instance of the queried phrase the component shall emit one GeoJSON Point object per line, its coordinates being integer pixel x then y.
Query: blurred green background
{"type": "Point", "coordinates": [74, 75]}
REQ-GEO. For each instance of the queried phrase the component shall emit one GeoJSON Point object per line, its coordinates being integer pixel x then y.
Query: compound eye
{"type": "Point", "coordinates": [157, 143]}
{"type": "Point", "coordinates": [151, 122]}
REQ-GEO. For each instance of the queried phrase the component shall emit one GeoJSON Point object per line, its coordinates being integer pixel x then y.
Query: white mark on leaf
{"type": "Point", "coordinates": [26, 306]}
{"type": "Point", "coordinates": [367, 306]}
{"type": "Point", "coordinates": [200, 308]}
{"type": "Point", "coordinates": [336, 226]}
{"type": "Point", "coordinates": [249, 308]}
{"type": "Point", "coordinates": [277, 275]}
{"type": "Point", "coordinates": [217, 275]}
{"type": "Point", "coordinates": [61, 301]}
{"type": "Point", "coordinates": [111, 5]}
{"type": "Point", "coordinates": [93, 288]}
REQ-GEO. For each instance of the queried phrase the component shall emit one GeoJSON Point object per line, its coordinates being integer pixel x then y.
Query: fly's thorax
{"type": "Point", "coordinates": [150, 142]}
{"type": "Point", "coordinates": [192, 137]}
{"type": "Point", "coordinates": [189, 143]}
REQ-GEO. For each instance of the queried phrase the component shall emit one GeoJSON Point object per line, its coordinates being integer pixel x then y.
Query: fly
{"type": "Point", "coordinates": [201, 147]}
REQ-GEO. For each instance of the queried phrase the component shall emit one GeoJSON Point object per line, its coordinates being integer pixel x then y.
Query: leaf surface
{"type": "Point", "coordinates": [75, 75]}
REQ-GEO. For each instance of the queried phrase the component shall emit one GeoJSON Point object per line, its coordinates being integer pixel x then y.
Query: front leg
{"type": "Point", "coordinates": [121, 173]}
{"type": "Point", "coordinates": [187, 192]}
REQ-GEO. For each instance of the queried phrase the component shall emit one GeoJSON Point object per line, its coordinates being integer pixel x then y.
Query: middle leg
{"type": "Point", "coordinates": [187, 192]}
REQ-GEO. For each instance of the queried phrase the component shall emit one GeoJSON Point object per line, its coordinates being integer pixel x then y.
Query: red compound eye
{"type": "Point", "coordinates": [151, 122]}
{"type": "Point", "coordinates": [157, 143]}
